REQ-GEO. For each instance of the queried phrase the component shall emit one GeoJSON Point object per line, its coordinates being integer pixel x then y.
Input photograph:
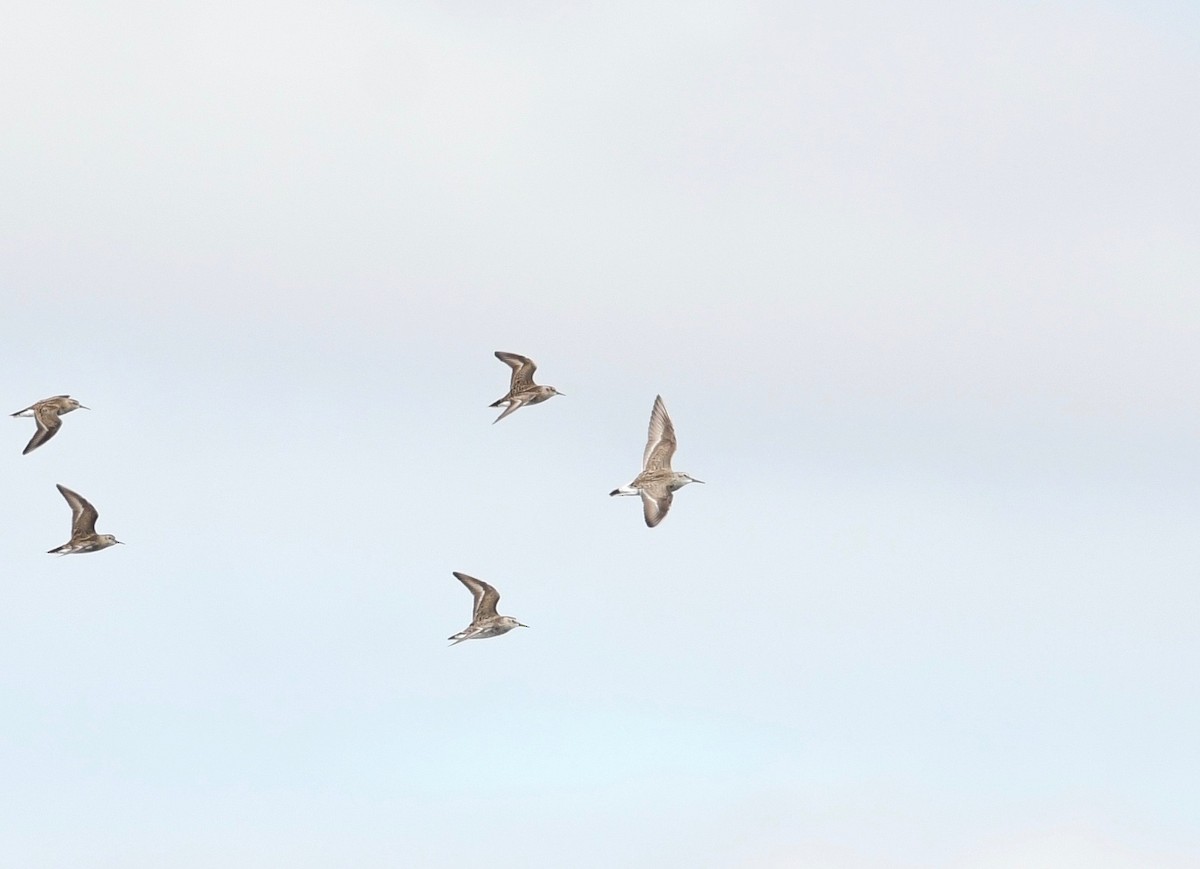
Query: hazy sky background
{"type": "Point", "coordinates": [917, 282]}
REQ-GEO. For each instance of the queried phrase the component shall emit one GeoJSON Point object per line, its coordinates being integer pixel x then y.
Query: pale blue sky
{"type": "Point", "coordinates": [917, 284]}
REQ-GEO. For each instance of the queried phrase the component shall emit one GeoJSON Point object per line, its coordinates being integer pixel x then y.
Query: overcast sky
{"type": "Point", "coordinates": [917, 283]}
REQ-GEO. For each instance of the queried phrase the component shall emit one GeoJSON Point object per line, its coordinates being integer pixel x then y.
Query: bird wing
{"type": "Point", "coordinates": [523, 368]}
{"type": "Point", "coordinates": [514, 404]}
{"type": "Point", "coordinates": [660, 442]}
{"type": "Point", "coordinates": [48, 423]}
{"type": "Point", "coordinates": [485, 596]}
{"type": "Point", "coordinates": [655, 504]}
{"type": "Point", "coordinates": [83, 514]}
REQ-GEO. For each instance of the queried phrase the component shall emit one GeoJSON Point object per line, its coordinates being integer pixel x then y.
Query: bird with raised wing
{"type": "Point", "coordinates": [522, 390]}
{"type": "Point", "coordinates": [657, 483]}
{"type": "Point", "coordinates": [46, 414]}
{"type": "Point", "coordinates": [83, 527]}
{"type": "Point", "coordinates": [484, 620]}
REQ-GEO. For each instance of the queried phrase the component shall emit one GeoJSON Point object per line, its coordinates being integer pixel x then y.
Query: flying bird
{"type": "Point", "coordinates": [522, 390]}
{"type": "Point", "coordinates": [46, 414]}
{"type": "Point", "coordinates": [83, 527]}
{"type": "Point", "coordinates": [657, 483]}
{"type": "Point", "coordinates": [484, 621]}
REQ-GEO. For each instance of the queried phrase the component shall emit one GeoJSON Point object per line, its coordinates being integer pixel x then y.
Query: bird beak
{"type": "Point", "coordinates": [694, 480]}
{"type": "Point", "coordinates": [122, 542]}
{"type": "Point", "coordinates": [519, 625]}
{"type": "Point", "coordinates": [84, 407]}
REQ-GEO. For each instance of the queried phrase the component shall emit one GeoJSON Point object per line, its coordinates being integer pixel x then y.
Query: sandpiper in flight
{"type": "Point", "coordinates": [522, 390]}
{"type": "Point", "coordinates": [83, 527]}
{"type": "Point", "coordinates": [657, 482]}
{"type": "Point", "coordinates": [484, 621]}
{"type": "Point", "coordinates": [46, 414]}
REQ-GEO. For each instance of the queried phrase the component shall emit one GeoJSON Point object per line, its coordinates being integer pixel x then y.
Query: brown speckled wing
{"type": "Point", "coordinates": [485, 596]}
{"type": "Point", "coordinates": [83, 514]}
{"type": "Point", "coordinates": [660, 442]}
{"type": "Point", "coordinates": [655, 505]}
{"type": "Point", "coordinates": [523, 368]}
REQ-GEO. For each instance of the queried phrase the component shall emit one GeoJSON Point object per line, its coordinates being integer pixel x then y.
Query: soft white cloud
{"type": "Point", "coordinates": [1071, 848]}
{"type": "Point", "coordinates": [916, 282]}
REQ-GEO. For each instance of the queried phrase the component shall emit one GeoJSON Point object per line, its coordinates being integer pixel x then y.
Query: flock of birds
{"type": "Point", "coordinates": [47, 414]}
{"type": "Point", "coordinates": [656, 484]}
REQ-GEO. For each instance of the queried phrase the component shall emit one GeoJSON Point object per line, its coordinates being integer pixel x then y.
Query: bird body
{"type": "Point", "coordinates": [46, 414]}
{"type": "Point", "coordinates": [83, 527]}
{"type": "Point", "coordinates": [657, 483]}
{"type": "Point", "coordinates": [522, 390]}
{"type": "Point", "coordinates": [485, 622]}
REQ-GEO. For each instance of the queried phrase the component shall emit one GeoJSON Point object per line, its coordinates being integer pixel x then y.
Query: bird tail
{"type": "Point", "coordinates": [513, 405]}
